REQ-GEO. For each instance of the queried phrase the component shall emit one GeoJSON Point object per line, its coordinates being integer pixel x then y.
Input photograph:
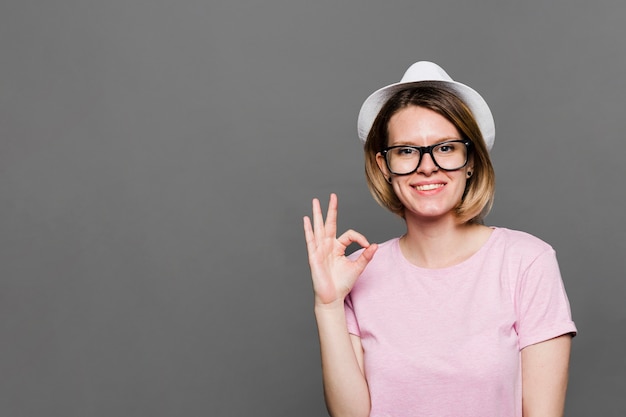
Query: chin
{"type": "Point", "coordinates": [430, 214]}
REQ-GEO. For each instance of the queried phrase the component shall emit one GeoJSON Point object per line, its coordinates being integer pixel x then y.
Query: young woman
{"type": "Point", "coordinates": [453, 318]}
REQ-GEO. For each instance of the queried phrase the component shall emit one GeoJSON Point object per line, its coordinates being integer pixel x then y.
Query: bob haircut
{"type": "Point", "coordinates": [480, 188]}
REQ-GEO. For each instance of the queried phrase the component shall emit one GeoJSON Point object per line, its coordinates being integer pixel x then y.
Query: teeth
{"type": "Point", "coordinates": [428, 187]}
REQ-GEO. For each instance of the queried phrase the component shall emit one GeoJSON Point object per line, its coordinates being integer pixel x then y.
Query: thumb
{"type": "Point", "coordinates": [366, 256]}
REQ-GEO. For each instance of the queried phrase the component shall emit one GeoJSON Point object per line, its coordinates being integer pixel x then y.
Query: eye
{"type": "Point", "coordinates": [405, 151]}
{"type": "Point", "coordinates": [446, 148]}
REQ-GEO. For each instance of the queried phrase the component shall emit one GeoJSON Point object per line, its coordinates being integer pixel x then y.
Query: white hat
{"type": "Point", "coordinates": [431, 73]}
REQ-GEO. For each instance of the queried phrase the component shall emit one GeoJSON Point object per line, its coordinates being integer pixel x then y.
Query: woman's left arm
{"type": "Point", "coordinates": [544, 377]}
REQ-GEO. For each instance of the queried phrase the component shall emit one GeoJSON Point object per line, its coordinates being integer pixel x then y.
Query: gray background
{"type": "Point", "coordinates": [157, 157]}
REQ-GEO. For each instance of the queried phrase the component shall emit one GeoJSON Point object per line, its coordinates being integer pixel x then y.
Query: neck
{"type": "Point", "coordinates": [440, 243]}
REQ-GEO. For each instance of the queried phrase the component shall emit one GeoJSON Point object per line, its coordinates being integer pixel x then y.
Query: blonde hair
{"type": "Point", "coordinates": [479, 192]}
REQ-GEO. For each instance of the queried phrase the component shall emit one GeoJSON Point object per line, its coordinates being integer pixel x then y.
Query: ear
{"type": "Point", "coordinates": [469, 168]}
{"type": "Point", "coordinates": [382, 165]}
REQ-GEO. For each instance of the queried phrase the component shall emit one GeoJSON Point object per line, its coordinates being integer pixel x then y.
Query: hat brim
{"type": "Point", "coordinates": [478, 106]}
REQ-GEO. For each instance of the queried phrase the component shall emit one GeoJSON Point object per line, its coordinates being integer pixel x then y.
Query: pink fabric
{"type": "Point", "coordinates": [446, 342]}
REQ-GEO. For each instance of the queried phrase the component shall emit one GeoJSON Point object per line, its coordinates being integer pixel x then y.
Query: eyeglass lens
{"type": "Point", "coordinates": [449, 156]}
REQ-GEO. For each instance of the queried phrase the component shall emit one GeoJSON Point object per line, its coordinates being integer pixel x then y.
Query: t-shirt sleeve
{"type": "Point", "coordinates": [353, 325]}
{"type": "Point", "coordinates": [543, 308]}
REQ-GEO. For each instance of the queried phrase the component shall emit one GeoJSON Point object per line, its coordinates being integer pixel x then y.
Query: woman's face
{"type": "Point", "coordinates": [429, 192]}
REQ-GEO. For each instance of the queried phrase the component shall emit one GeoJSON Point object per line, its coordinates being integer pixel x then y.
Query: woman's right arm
{"type": "Point", "coordinates": [333, 276]}
{"type": "Point", "coordinates": [345, 388]}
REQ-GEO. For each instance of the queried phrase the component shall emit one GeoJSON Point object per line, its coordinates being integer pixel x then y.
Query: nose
{"type": "Point", "coordinates": [427, 165]}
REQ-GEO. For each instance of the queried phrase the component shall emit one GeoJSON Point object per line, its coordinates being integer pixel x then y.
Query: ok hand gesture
{"type": "Point", "coordinates": [332, 273]}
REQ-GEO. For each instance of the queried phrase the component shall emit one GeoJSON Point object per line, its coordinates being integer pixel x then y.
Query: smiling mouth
{"type": "Point", "coordinates": [428, 187]}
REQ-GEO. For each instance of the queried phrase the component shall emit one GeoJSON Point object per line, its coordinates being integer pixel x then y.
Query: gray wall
{"type": "Point", "coordinates": [157, 157]}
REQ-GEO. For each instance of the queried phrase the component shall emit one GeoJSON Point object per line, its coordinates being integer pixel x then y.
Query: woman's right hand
{"type": "Point", "coordinates": [333, 274]}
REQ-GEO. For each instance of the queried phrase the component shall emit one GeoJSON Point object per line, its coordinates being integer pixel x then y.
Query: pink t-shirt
{"type": "Point", "coordinates": [446, 342]}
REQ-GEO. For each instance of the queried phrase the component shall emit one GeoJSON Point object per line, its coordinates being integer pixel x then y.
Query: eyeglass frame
{"type": "Point", "coordinates": [429, 150]}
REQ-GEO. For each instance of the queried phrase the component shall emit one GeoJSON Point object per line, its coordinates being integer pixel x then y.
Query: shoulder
{"type": "Point", "coordinates": [518, 241]}
{"type": "Point", "coordinates": [384, 263]}
{"type": "Point", "coordinates": [518, 251]}
{"type": "Point", "coordinates": [381, 272]}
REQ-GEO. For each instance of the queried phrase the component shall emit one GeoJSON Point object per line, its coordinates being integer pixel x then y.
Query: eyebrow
{"type": "Point", "coordinates": [404, 143]}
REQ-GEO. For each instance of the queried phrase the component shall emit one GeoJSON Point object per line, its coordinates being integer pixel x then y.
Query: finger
{"type": "Point", "coordinates": [318, 219]}
{"type": "Point", "coordinates": [308, 234]}
{"type": "Point", "coordinates": [352, 236]}
{"type": "Point", "coordinates": [331, 216]}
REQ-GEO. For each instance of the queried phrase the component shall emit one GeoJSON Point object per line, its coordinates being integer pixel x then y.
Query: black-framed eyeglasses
{"type": "Point", "coordinates": [448, 156]}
